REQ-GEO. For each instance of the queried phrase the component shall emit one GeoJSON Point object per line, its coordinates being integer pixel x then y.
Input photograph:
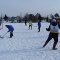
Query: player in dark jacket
{"type": "Point", "coordinates": [10, 29]}
{"type": "Point", "coordinates": [53, 28]}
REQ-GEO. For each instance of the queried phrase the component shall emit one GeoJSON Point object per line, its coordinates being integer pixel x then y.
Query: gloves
{"type": "Point", "coordinates": [47, 29]}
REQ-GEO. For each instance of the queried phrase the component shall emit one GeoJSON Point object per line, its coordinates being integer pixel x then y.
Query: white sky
{"type": "Point", "coordinates": [17, 7]}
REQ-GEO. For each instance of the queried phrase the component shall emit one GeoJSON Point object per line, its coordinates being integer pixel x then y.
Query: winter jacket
{"type": "Point", "coordinates": [30, 22]}
{"type": "Point", "coordinates": [39, 23]}
{"type": "Point", "coordinates": [10, 28]}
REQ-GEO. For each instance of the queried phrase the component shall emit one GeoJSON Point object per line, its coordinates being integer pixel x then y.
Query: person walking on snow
{"type": "Point", "coordinates": [39, 25]}
{"type": "Point", "coordinates": [25, 22]}
{"type": "Point", "coordinates": [10, 29]}
{"type": "Point", "coordinates": [30, 24]}
{"type": "Point", "coordinates": [53, 28]}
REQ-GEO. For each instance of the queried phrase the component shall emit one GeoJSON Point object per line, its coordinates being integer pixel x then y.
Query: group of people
{"type": "Point", "coordinates": [53, 29]}
{"type": "Point", "coordinates": [30, 24]}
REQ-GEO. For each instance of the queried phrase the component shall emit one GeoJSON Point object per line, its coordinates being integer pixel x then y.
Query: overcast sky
{"type": "Point", "coordinates": [20, 7]}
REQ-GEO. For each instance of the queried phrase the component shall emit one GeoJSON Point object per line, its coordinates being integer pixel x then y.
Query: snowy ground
{"type": "Point", "coordinates": [26, 44]}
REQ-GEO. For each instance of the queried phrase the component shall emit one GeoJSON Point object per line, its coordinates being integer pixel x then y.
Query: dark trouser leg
{"type": "Point", "coordinates": [38, 29]}
{"type": "Point", "coordinates": [49, 38]}
{"type": "Point", "coordinates": [29, 26]}
{"type": "Point", "coordinates": [25, 23]}
{"type": "Point", "coordinates": [11, 34]}
{"type": "Point", "coordinates": [55, 42]}
{"type": "Point", "coordinates": [0, 23]}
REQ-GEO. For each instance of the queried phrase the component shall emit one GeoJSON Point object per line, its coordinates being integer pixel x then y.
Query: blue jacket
{"type": "Point", "coordinates": [10, 28]}
{"type": "Point", "coordinates": [39, 23]}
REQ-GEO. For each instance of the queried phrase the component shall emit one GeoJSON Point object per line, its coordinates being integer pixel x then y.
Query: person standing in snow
{"type": "Point", "coordinates": [25, 22]}
{"type": "Point", "coordinates": [53, 28]}
{"type": "Point", "coordinates": [39, 25]}
{"type": "Point", "coordinates": [25, 19]}
{"type": "Point", "coordinates": [10, 29]}
{"type": "Point", "coordinates": [30, 24]}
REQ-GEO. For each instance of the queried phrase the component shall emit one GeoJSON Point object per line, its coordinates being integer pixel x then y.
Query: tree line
{"type": "Point", "coordinates": [28, 17]}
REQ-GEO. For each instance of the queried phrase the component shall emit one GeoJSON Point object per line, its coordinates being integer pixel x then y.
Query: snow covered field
{"type": "Point", "coordinates": [26, 44]}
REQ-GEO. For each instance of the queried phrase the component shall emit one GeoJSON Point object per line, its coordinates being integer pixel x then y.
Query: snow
{"type": "Point", "coordinates": [27, 44]}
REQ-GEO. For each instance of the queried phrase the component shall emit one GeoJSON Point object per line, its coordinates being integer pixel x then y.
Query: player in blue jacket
{"type": "Point", "coordinates": [10, 29]}
{"type": "Point", "coordinates": [39, 25]}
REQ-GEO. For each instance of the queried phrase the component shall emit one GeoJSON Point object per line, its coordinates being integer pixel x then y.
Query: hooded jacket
{"type": "Point", "coordinates": [10, 28]}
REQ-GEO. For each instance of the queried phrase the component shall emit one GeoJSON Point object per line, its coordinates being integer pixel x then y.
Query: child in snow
{"type": "Point", "coordinates": [39, 25]}
{"type": "Point", "coordinates": [30, 24]}
{"type": "Point", "coordinates": [53, 28]}
{"type": "Point", "coordinates": [10, 29]}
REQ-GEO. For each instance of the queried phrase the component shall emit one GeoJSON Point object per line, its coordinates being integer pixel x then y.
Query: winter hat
{"type": "Point", "coordinates": [54, 20]}
{"type": "Point", "coordinates": [54, 23]}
